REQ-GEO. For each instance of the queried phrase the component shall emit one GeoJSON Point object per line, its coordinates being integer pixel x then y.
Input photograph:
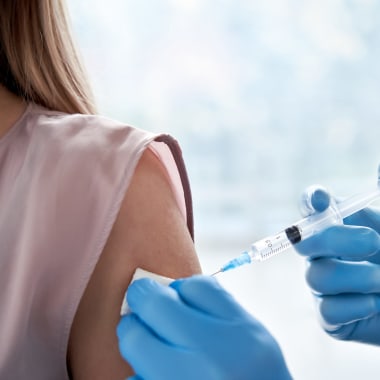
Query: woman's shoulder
{"type": "Point", "coordinates": [80, 152]}
{"type": "Point", "coordinates": [74, 129]}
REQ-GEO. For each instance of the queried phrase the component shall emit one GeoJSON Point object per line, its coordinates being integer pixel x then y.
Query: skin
{"type": "Point", "coordinates": [150, 233]}
{"type": "Point", "coordinates": [11, 108]}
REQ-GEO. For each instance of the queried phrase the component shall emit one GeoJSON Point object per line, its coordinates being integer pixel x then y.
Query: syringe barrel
{"type": "Point", "coordinates": [273, 245]}
{"type": "Point", "coordinates": [270, 246]}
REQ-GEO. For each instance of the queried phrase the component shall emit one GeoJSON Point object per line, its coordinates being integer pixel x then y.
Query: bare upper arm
{"type": "Point", "coordinates": [150, 233]}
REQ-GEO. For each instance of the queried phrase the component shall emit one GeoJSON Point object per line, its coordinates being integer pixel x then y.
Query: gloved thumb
{"type": "Point", "coordinates": [314, 198]}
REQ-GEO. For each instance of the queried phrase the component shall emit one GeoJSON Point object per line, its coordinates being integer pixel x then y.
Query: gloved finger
{"type": "Point", "coordinates": [348, 242]}
{"type": "Point", "coordinates": [153, 358]}
{"type": "Point", "coordinates": [315, 198]}
{"type": "Point", "coordinates": [332, 276]}
{"type": "Point", "coordinates": [206, 295]}
{"type": "Point", "coordinates": [347, 308]}
{"type": "Point", "coordinates": [162, 309]}
{"type": "Point", "coordinates": [368, 217]}
{"type": "Point", "coordinates": [135, 378]}
{"type": "Point", "coordinates": [365, 330]}
{"type": "Point", "coordinates": [138, 343]}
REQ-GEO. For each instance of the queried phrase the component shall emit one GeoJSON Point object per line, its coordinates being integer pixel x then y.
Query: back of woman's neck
{"type": "Point", "coordinates": [11, 108]}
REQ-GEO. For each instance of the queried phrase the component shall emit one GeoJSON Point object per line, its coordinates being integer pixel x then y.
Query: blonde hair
{"type": "Point", "coordinates": [38, 59]}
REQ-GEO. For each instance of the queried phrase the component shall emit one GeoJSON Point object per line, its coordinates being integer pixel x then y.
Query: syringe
{"type": "Point", "coordinates": [304, 228]}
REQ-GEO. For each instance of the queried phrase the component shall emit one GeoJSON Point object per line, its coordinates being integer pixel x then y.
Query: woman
{"type": "Point", "coordinates": [85, 201]}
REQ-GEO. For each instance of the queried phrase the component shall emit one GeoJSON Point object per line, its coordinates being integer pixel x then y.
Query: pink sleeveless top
{"type": "Point", "coordinates": [62, 180]}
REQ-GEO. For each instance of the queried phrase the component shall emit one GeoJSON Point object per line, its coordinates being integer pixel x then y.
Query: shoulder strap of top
{"type": "Point", "coordinates": [176, 151]}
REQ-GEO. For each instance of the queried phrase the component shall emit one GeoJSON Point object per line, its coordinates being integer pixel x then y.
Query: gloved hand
{"type": "Point", "coordinates": [344, 271]}
{"type": "Point", "coordinates": [194, 329]}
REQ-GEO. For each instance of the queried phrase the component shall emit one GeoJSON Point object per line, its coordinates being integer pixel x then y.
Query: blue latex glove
{"type": "Point", "coordinates": [344, 271]}
{"type": "Point", "coordinates": [194, 329]}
